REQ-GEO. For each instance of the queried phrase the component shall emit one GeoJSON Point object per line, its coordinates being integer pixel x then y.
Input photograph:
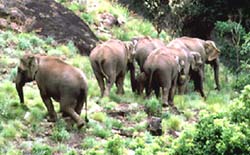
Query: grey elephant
{"type": "Point", "coordinates": [161, 70]}
{"type": "Point", "coordinates": [193, 67]}
{"type": "Point", "coordinates": [143, 47]}
{"type": "Point", "coordinates": [55, 79]}
{"type": "Point", "coordinates": [110, 62]}
{"type": "Point", "coordinates": [209, 54]}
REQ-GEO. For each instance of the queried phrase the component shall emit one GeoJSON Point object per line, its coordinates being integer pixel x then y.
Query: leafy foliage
{"type": "Point", "coordinates": [222, 133]}
{"type": "Point", "coordinates": [234, 44]}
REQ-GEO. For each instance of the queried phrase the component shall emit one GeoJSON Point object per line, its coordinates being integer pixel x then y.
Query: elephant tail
{"type": "Point", "coordinates": [100, 66]}
{"type": "Point", "coordinates": [149, 86]}
{"type": "Point", "coordinates": [84, 99]}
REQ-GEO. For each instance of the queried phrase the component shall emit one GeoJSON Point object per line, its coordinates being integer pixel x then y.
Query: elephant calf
{"type": "Point", "coordinates": [55, 79]}
{"type": "Point", "coordinates": [161, 70]}
{"type": "Point", "coordinates": [110, 61]}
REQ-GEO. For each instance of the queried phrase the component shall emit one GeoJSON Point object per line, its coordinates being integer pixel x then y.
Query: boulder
{"type": "Point", "coordinates": [47, 18]}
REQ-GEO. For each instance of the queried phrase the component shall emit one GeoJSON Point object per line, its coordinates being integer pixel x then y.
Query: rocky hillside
{"type": "Point", "coordinates": [119, 124]}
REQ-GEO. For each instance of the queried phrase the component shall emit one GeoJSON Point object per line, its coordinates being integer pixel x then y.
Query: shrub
{"type": "Point", "coordinates": [41, 149]}
{"type": "Point", "coordinates": [9, 131]}
{"type": "Point", "coordinates": [153, 107]}
{"type": "Point", "coordinates": [115, 146]}
{"type": "Point", "coordinates": [99, 116]}
{"type": "Point", "coordinates": [222, 133]}
{"type": "Point", "coordinates": [59, 132]}
{"type": "Point", "coordinates": [87, 18]}
{"type": "Point", "coordinates": [229, 36]}
{"type": "Point", "coordinates": [88, 142]}
{"type": "Point", "coordinates": [100, 131]}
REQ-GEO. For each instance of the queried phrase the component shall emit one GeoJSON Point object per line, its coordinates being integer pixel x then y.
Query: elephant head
{"type": "Point", "coordinates": [181, 64]}
{"type": "Point", "coordinates": [129, 45]}
{"type": "Point", "coordinates": [27, 70]}
{"type": "Point", "coordinates": [181, 67]}
{"type": "Point", "coordinates": [211, 50]}
{"type": "Point", "coordinates": [196, 62]}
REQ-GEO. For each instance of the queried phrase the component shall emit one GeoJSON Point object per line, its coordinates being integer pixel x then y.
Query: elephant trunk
{"type": "Point", "coordinates": [19, 88]}
{"type": "Point", "coordinates": [131, 68]}
{"type": "Point", "coordinates": [216, 73]}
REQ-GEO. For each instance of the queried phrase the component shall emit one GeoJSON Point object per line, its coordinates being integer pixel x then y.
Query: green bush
{"type": "Point", "coordinates": [153, 107]}
{"type": "Point", "coordinates": [59, 132]}
{"type": "Point", "coordinates": [234, 43]}
{"type": "Point", "coordinates": [101, 131]}
{"type": "Point", "coordinates": [88, 142]}
{"type": "Point", "coordinates": [230, 36]}
{"type": "Point", "coordinates": [115, 146]}
{"type": "Point", "coordinates": [41, 149]}
{"type": "Point", "coordinates": [222, 133]}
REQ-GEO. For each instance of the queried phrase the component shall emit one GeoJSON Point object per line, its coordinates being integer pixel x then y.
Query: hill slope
{"type": "Point", "coordinates": [118, 124]}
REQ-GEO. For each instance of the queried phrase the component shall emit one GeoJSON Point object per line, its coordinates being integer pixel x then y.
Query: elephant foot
{"type": "Point", "coordinates": [24, 107]}
{"type": "Point", "coordinates": [86, 119]}
{"type": "Point", "coordinates": [80, 124]}
{"type": "Point", "coordinates": [64, 114]}
{"type": "Point", "coordinates": [175, 110]}
{"type": "Point", "coordinates": [166, 104]}
{"type": "Point", "coordinates": [52, 118]}
{"type": "Point", "coordinates": [217, 88]}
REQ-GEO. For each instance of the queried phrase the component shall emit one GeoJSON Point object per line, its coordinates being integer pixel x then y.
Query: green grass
{"type": "Point", "coordinates": [173, 123]}
{"type": "Point", "coordinates": [101, 131]}
{"type": "Point", "coordinates": [88, 142]}
{"type": "Point", "coordinates": [18, 124]}
{"type": "Point", "coordinates": [99, 116]}
{"type": "Point", "coordinates": [153, 106]}
{"type": "Point", "coordinates": [41, 149]}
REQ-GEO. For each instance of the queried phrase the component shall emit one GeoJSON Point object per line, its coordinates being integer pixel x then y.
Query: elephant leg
{"type": "Point", "coordinates": [149, 84]}
{"type": "Point", "coordinates": [198, 83]}
{"type": "Point", "coordinates": [215, 66]}
{"type": "Point", "coordinates": [100, 81]}
{"type": "Point", "coordinates": [119, 83]}
{"type": "Point", "coordinates": [157, 90]}
{"type": "Point", "coordinates": [78, 108]}
{"type": "Point", "coordinates": [109, 84]}
{"type": "Point", "coordinates": [50, 107]}
{"type": "Point", "coordinates": [172, 92]}
{"type": "Point", "coordinates": [165, 94]}
{"type": "Point", "coordinates": [68, 106]}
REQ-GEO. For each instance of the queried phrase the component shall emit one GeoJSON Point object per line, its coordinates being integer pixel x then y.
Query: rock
{"type": "Point", "coordinates": [108, 20]}
{"type": "Point", "coordinates": [154, 126]}
{"type": "Point", "coordinates": [48, 18]}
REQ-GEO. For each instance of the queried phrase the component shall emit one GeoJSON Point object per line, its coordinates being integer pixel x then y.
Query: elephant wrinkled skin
{"type": "Point", "coordinates": [143, 47]}
{"type": "Point", "coordinates": [193, 67]}
{"type": "Point", "coordinates": [161, 70]}
{"type": "Point", "coordinates": [110, 62]}
{"type": "Point", "coordinates": [55, 79]}
{"type": "Point", "coordinates": [208, 51]}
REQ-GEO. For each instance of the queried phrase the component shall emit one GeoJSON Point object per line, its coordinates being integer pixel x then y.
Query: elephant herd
{"type": "Point", "coordinates": [164, 69]}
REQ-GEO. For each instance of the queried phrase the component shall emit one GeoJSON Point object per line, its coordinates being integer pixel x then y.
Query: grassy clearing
{"type": "Point", "coordinates": [27, 130]}
{"type": "Point", "coordinates": [18, 125]}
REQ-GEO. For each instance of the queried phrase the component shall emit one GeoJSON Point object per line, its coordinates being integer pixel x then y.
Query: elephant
{"type": "Point", "coordinates": [110, 61]}
{"type": "Point", "coordinates": [55, 79]}
{"type": "Point", "coordinates": [161, 69]}
{"type": "Point", "coordinates": [193, 67]}
{"type": "Point", "coordinates": [208, 51]}
{"type": "Point", "coordinates": [143, 47]}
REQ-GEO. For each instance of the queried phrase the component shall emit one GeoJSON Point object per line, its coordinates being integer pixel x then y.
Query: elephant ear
{"type": "Point", "coordinates": [196, 60]}
{"type": "Point", "coordinates": [33, 62]}
{"type": "Point", "coordinates": [211, 50]}
{"type": "Point", "coordinates": [180, 63]}
{"type": "Point", "coordinates": [130, 50]}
